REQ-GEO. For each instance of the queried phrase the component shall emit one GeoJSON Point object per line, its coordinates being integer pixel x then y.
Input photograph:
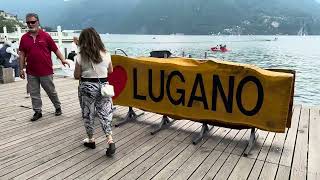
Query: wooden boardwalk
{"type": "Point", "coordinates": [51, 147]}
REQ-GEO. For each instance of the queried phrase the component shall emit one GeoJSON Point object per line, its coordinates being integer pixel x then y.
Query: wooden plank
{"type": "Point", "coordinates": [102, 166]}
{"type": "Point", "coordinates": [178, 161]}
{"type": "Point", "coordinates": [238, 150]}
{"type": "Point", "coordinates": [227, 140]}
{"type": "Point", "coordinates": [241, 146]}
{"type": "Point", "coordinates": [299, 163]}
{"type": "Point", "coordinates": [269, 171]}
{"type": "Point", "coordinates": [242, 169]}
{"type": "Point", "coordinates": [44, 128]}
{"type": "Point", "coordinates": [275, 150]}
{"type": "Point", "coordinates": [216, 166]}
{"type": "Point", "coordinates": [186, 132]}
{"type": "Point", "coordinates": [165, 161]}
{"type": "Point", "coordinates": [314, 142]}
{"type": "Point", "coordinates": [71, 153]}
{"type": "Point", "coordinates": [24, 143]}
{"type": "Point", "coordinates": [45, 146]}
{"type": "Point", "coordinates": [135, 169]}
{"type": "Point", "coordinates": [10, 132]}
{"type": "Point", "coordinates": [235, 141]}
{"type": "Point", "coordinates": [266, 146]}
{"type": "Point", "coordinates": [38, 153]}
{"type": "Point", "coordinates": [15, 100]}
{"type": "Point", "coordinates": [37, 165]}
{"type": "Point", "coordinates": [288, 149]}
{"type": "Point", "coordinates": [252, 171]}
{"type": "Point", "coordinates": [202, 170]}
{"type": "Point", "coordinates": [124, 171]}
{"type": "Point", "coordinates": [283, 172]}
{"type": "Point", "coordinates": [77, 167]}
{"type": "Point", "coordinates": [256, 170]}
{"type": "Point", "coordinates": [216, 138]}
{"type": "Point", "coordinates": [128, 159]}
{"type": "Point", "coordinates": [258, 144]}
{"type": "Point", "coordinates": [20, 121]}
{"type": "Point", "coordinates": [202, 153]}
{"type": "Point", "coordinates": [18, 158]}
{"type": "Point", "coordinates": [227, 167]}
{"type": "Point", "coordinates": [140, 154]}
{"type": "Point", "coordinates": [313, 176]}
{"type": "Point", "coordinates": [151, 172]}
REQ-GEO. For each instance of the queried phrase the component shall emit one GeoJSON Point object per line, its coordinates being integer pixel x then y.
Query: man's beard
{"type": "Point", "coordinates": [32, 29]}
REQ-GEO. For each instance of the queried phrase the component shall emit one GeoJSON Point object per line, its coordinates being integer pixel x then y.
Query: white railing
{"type": "Point", "coordinates": [58, 36]}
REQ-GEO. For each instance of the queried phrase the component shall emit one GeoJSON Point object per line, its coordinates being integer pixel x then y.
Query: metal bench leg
{"type": "Point", "coordinates": [131, 115]}
{"type": "Point", "coordinates": [251, 142]}
{"type": "Point", "coordinates": [164, 122]}
{"type": "Point", "coordinates": [204, 132]}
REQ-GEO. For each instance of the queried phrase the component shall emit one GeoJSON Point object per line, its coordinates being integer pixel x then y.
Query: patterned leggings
{"type": "Point", "coordinates": [92, 103]}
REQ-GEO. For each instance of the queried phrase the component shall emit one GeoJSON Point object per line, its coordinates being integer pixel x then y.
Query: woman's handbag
{"type": "Point", "coordinates": [106, 89]}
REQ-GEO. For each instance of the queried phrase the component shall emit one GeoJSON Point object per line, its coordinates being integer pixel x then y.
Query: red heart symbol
{"type": "Point", "coordinates": [118, 78]}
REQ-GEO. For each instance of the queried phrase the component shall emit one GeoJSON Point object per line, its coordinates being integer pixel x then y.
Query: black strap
{"type": "Point", "coordinates": [97, 80]}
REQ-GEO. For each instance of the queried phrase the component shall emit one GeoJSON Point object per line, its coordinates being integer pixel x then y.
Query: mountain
{"type": "Point", "coordinates": [195, 16]}
{"type": "Point", "coordinates": [180, 16]}
{"type": "Point", "coordinates": [49, 11]}
{"type": "Point", "coordinates": [104, 15]}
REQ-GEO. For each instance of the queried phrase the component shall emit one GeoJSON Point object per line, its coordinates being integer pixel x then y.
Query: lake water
{"type": "Point", "coordinates": [299, 53]}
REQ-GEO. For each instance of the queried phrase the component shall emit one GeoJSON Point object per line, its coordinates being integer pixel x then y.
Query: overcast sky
{"type": "Point", "coordinates": [48, 10]}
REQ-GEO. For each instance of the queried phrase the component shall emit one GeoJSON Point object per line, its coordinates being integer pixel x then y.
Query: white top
{"type": "Point", "coordinates": [14, 55]}
{"type": "Point", "coordinates": [101, 69]}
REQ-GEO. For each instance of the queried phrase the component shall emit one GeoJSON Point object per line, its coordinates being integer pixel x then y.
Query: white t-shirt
{"type": "Point", "coordinates": [14, 55]}
{"type": "Point", "coordinates": [101, 69]}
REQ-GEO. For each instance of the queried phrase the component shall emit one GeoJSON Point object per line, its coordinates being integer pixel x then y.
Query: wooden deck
{"type": "Point", "coordinates": [51, 147]}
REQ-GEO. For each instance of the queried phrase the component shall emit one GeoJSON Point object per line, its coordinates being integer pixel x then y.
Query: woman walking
{"type": "Point", "coordinates": [93, 64]}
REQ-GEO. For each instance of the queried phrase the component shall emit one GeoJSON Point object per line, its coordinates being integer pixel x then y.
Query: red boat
{"type": "Point", "coordinates": [215, 49]}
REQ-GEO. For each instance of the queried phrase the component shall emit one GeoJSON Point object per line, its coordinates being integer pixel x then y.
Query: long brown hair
{"type": "Point", "coordinates": [90, 45]}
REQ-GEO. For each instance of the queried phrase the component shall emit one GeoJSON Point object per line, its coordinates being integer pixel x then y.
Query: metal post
{"type": "Point", "coordinates": [164, 122]}
{"type": "Point", "coordinates": [5, 33]}
{"type": "Point", "coordinates": [251, 142]}
{"type": "Point", "coordinates": [59, 36]}
{"type": "Point", "coordinates": [131, 115]}
{"type": "Point", "coordinates": [65, 53]}
{"type": "Point", "coordinates": [204, 132]}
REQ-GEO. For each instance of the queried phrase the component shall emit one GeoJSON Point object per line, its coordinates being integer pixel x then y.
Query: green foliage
{"type": "Point", "coordinates": [9, 23]}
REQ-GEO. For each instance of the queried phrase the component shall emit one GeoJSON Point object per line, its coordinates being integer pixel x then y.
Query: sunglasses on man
{"type": "Point", "coordinates": [31, 22]}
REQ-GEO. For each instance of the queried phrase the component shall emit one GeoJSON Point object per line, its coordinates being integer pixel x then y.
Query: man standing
{"type": "Point", "coordinates": [35, 53]}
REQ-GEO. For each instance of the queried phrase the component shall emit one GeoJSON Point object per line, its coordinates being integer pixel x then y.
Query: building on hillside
{"type": "Point", "coordinates": [8, 15]}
